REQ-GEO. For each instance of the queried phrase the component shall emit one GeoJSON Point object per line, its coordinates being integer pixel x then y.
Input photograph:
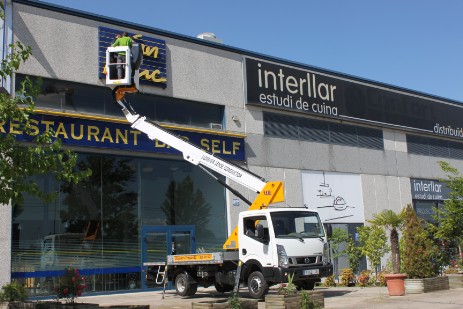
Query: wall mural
{"type": "Point", "coordinates": [336, 196]}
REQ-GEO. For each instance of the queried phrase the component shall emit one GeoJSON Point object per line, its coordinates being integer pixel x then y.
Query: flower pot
{"type": "Point", "coordinates": [395, 284]}
{"type": "Point", "coordinates": [223, 304]}
{"type": "Point", "coordinates": [455, 281]}
{"type": "Point", "coordinates": [282, 301]}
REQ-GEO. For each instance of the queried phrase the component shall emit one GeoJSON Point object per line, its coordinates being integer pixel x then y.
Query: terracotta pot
{"type": "Point", "coordinates": [395, 284]}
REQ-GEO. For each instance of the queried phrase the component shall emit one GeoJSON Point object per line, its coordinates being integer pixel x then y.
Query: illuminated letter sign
{"type": "Point", "coordinates": [153, 69]}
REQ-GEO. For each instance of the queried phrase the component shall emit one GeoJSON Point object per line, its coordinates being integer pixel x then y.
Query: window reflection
{"type": "Point", "coordinates": [95, 225]}
{"type": "Point", "coordinates": [81, 98]}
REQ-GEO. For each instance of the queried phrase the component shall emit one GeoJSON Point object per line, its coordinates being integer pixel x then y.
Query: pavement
{"type": "Point", "coordinates": [335, 297]}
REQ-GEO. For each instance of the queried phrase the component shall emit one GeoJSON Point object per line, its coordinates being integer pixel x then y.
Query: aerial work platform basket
{"type": "Point", "coordinates": [129, 67]}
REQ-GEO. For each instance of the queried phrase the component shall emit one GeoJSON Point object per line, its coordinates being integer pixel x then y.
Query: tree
{"type": "Point", "coordinates": [373, 244]}
{"type": "Point", "coordinates": [418, 248]}
{"type": "Point", "coordinates": [354, 254]}
{"type": "Point", "coordinates": [449, 218]}
{"type": "Point", "coordinates": [391, 221]}
{"type": "Point", "coordinates": [338, 237]}
{"type": "Point", "coordinates": [20, 161]}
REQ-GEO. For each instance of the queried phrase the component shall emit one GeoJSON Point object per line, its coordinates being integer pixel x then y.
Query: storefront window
{"type": "Point", "coordinates": [95, 226]}
{"type": "Point", "coordinates": [426, 210]}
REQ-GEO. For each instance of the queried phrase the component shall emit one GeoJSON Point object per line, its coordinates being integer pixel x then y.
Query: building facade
{"type": "Point", "coordinates": [345, 146]}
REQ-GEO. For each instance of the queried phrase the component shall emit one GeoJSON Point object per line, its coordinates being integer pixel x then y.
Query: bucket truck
{"type": "Point", "coordinates": [267, 247]}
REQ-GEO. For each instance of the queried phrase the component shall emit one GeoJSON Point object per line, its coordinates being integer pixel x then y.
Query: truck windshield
{"type": "Point", "coordinates": [300, 224]}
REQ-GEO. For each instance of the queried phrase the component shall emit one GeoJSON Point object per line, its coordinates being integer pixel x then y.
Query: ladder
{"type": "Point", "coordinates": [161, 277]}
{"type": "Point", "coordinates": [161, 274]}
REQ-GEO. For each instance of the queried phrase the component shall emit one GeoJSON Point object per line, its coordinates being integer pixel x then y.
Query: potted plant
{"type": "Point", "coordinates": [14, 295]}
{"type": "Point", "coordinates": [418, 256]}
{"type": "Point", "coordinates": [288, 297]}
{"type": "Point", "coordinates": [392, 221]}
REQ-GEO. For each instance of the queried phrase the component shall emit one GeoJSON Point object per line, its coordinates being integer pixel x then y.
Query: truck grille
{"type": "Point", "coordinates": [305, 260]}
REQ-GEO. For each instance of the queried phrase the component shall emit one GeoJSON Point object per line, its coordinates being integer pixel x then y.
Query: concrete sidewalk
{"type": "Point", "coordinates": [341, 297]}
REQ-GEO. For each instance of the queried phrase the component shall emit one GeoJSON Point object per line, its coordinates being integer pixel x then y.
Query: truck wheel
{"type": "Point", "coordinates": [257, 285]}
{"type": "Point", "coordinates": [183, 287]}
{"type": "Point", "coordinates": [223, 288]}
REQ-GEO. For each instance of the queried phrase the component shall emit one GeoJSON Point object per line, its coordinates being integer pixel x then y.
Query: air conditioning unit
{"type": "Point", "coordinates": [217, 126]}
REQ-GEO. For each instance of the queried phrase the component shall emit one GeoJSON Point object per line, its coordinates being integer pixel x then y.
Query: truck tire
{"type": "Point", "coordinates": [183, 286]}
{"type": "Point", "coordinates": [223, 288]}
{"type": "Point", "coordinates": [257, 285]}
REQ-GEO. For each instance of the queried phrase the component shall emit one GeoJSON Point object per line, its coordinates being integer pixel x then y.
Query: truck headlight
{"type": "Point", "coordinates": [283, 260]}
{"type": "Point", "coordinates": [326, 254]}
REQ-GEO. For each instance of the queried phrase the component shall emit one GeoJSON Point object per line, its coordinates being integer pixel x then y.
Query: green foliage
{"type": "Point", "coordinates": [307, 302]}
{"type": "Point", "coordinates": [234, 302]}
{"type": "Point", "coordinates": [391, 221]}
{"type": "Point", "coordinates": [450, 216]}
{"type": "Point", "coordinates": [288, 288]}
{"type": "Point", "coordinates": [13, 292]}
{"type": "Point", "coordinates": [418, 248]}
{"type": "Point", "coordinates": [21, 161]}
{"type": "Point", "coordinates": [338, 237]}
{"type": "Point", "coordinates": [354, 254]}
{"type": "Point", "coordinates": [71, 285]}
{"type": "Point", "coordinates": [373, 242]}
{"type": "Point", "coordinates": [347, 277]}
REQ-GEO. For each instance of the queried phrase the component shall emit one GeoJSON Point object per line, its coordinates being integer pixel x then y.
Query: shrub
{"type": "Point", "coordinates": [329, 281]}
{"type": "Point", "coordinates": [363, 279]}
{"type": "Point", "coordinates": [289, 288]}
{"type": "Point", "coordinates": [418, 248]}
{"type": "Point", "coordinates": [234, 302]}
{"type": "Point", "coordinates": [13, 292]}
{"type": "Point", "coordinates": [71, 285]}
{"type": "Point", "coordinates": [347, 277]}
{"type": "Point", "coordinates": [307, 302]}
{"type": "Point", "coordinates": [381, 279]}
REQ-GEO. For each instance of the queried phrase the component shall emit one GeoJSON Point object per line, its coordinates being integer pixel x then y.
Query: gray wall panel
{"type": "Point", "coordinates": [5, 243]}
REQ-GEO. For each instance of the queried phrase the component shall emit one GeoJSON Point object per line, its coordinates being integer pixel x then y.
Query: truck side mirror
{"type": "Point", "coordinates": [329, 230]}
{"type": "Point", "coordinates": [260, 231]}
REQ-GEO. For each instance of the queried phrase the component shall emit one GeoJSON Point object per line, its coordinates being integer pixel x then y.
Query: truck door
{"type": "Point", "coordinates": [160, 241]}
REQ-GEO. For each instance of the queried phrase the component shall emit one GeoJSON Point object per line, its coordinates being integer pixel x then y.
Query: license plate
{"type": "Point", "coordinates": [308, 272]}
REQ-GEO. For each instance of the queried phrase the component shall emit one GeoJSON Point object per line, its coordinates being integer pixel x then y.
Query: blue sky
{"type": "Point", "coordinates": [414, 44]}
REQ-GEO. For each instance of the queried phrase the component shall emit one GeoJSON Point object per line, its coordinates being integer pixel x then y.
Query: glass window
{"type": "Point", "coordinates": [305, 129]}
{"type": "Point", "coordinates": [425, 210]}
{"type": "Point", "coordinates": [95, 226]}
{"type": "Point", "coordinates": [434, 147]}
{"type": "Point", "coordinates": [297, 224]}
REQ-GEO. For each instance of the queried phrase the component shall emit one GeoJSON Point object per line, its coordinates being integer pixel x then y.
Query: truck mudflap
{"type": "Point", "coordinates": [278, 274]}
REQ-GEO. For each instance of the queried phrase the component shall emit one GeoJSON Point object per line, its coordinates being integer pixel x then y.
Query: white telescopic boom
{"type": "Point", "coordinates": [194, 154]}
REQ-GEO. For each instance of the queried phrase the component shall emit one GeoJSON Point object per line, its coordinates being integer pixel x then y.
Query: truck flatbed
{"type": "Point", "coordinates": [198, 259]}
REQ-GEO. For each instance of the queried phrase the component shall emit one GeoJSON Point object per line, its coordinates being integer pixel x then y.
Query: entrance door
{"type": "Point", "coordinates": [160, 241]}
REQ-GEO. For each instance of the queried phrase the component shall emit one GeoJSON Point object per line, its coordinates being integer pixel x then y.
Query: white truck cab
{"type": "Point", "coordinates": [275, 243]}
